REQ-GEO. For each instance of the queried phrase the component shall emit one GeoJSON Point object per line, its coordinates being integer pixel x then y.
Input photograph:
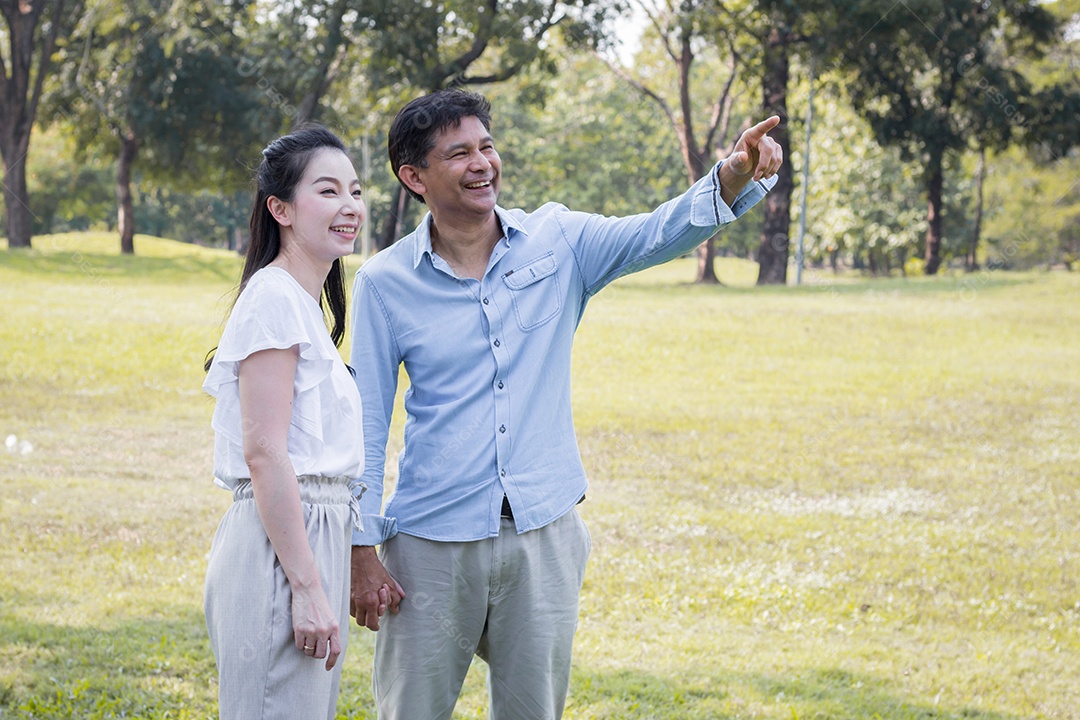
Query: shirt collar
{"type": "Point", "coordinates": [422, 241]}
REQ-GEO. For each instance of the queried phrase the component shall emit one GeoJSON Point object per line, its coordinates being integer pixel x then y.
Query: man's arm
{"type": "Point", "coordinates": [607, 248]}
{"type": "Point", "coordinates": [375, 360]}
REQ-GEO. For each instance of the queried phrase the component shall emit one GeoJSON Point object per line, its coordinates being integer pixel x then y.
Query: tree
{"type": "Point", "coordinates": [684, 29]}
{"type": "Point", "coordinates": [932, 83]}
{"type": "Point", "coordinates": [31, 29]}
{"type": "Point", "coordinates": [860, 210]}
{"type": "Point", "coordinates": [150, 80]}
{"type": "Point", "coordinates": [590, 143]}
{"type": "Point", "coordinates": [810, 31]}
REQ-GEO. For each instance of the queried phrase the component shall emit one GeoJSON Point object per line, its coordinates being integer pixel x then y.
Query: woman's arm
{"type": "Point", "coordinates": [266, 396]}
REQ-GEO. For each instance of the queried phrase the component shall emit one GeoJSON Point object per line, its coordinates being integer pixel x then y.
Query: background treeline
{"type": "Point", "coordinates": [942, 132]}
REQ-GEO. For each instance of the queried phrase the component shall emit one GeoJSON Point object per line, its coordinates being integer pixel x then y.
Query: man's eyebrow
{"type": "Point", "coordinates": [457, 146]}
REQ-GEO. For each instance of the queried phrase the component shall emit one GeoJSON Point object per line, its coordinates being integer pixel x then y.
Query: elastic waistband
{"type": "Point", "coordinates": [318, 490]}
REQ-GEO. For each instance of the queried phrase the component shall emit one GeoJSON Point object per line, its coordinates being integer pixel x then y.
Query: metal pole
{"type": "Point", "coordinates": [805, 179]}
{"type": "Point", "coordinates": [365, 178]}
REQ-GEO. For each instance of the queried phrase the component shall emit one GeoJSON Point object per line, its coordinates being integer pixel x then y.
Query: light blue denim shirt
{"type": "Point", "coordinates": [488, 407]}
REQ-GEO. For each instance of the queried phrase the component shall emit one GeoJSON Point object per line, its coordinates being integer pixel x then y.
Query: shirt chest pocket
{"type": "Point", "coordinates": [534, 288]}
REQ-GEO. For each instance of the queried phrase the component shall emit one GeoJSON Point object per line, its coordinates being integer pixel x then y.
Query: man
{"type": "Point", "coordinates": [481, 536]}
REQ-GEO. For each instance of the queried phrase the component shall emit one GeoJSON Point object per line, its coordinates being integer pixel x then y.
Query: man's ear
{"type": "Point", "coordinates": [411, 177]}
{"type": "Point", "coordinates": [279, 210]}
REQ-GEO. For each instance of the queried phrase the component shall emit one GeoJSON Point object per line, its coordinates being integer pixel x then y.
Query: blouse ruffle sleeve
{"type": "Point", "coordinates": [270, 315]}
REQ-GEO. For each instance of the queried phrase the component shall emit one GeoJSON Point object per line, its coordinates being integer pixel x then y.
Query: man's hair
{"type": "Point", "coordinates": [414, 130]}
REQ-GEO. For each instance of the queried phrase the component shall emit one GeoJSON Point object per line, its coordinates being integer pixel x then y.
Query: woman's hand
{"type": "Point", "coordinates": [315, 625]}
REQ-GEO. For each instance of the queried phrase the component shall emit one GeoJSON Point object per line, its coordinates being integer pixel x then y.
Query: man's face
{"type": "Point", "coordinates": [463, 172]}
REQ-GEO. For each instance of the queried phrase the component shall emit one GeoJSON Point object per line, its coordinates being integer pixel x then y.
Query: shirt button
{"type": "Point", "coordinates": [503, 472]}
{"type": "Point", "coordinates": [500, 385]}
{"type": "Point", "coordinates": [485, 301]}
{"type": "Point", "coordinates": [496, 343]}
{"type": "Point", "coordinates": [502, 428]}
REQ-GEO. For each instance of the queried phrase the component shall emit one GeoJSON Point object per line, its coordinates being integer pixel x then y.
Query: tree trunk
{"type": "Point", "coordinates": [20, 91]}
{"type": "Point", "coordinates": [972, 263]}
{"type": "Point", "coordinates": [330, 60]}
{"type": "Point", "coordinates": [125, 211]}
{"type": "Point", "coordinates": [16, 198]}
{"type": "Point", "coordinates": [772, 255]}
{"type": "Point", "coordinates": [935, 176]}
{"type": "Point", "coordinates": [706, 272]}
{"type": "Point", "coordinates": [394, 220]}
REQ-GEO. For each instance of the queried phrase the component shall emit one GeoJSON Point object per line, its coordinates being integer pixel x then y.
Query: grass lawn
{"type": "Point", "coordinates": [854, 499]}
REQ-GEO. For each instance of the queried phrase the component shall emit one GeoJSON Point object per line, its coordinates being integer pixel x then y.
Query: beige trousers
{"type": "Point", "coordinates": [248, 603]}
{"type": "Point", "coordinates": [512, 600]}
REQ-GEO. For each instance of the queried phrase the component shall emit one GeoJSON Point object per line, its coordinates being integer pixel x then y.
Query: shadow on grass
{"type": "Point", "coordinates": [156, 669]}
{"type": "Point", "coordinates": [142, 668]}
{"type": "Point", "coordinates": [103, 267]}
{"type": "Point", "coordinates": [814, 693]}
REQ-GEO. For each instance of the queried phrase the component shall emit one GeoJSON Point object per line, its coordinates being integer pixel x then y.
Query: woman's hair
{"type": "Point", "coordinates": [284, 163]}
{"type": "Point", "coordinates": [413, 133]}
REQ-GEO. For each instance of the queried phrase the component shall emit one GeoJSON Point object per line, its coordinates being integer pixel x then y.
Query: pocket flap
{"type": "Point", "coordinates": [530, 272]}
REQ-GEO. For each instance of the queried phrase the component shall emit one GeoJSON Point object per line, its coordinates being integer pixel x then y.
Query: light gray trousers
{"type": "Point", "coordinates": [248, 603]}
{"type": "Point", "coordinates": [512, 600]}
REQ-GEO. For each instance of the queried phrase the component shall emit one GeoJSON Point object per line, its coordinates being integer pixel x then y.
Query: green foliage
{"type": "Point", "coordinates": [612, 154]}
{"type": "Point", "coordinates": [428, 46]}
{"type": "Point", "coordinates": [861, 503]}
{"type": "Point", "coordinates": [936, 85]}
{"type": "Point", "coordinates": [67, 193]}
{"type": "Point", "coordinates": [166, 74]}
{"type": "Point", "coordinates": [1021, 233]}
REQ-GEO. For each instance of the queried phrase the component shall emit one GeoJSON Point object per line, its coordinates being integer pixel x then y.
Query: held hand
{"type": "Point", "coordinates": [315, 626]}
{"type": "Point", "coordinates": [756, 152]}
{"type": "Point", "coordinates": [374, 591]}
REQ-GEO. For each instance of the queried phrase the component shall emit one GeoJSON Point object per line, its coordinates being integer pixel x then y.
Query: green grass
{"type": "Point", "coordinates": [855, 499]}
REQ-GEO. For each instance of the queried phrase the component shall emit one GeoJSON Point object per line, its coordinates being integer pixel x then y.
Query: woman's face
{"type": "Point", "coordinates": [326, 211]}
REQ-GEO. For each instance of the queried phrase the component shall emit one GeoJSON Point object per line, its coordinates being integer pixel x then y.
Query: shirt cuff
{"type": "Point", "coordinates": [709, 209]}
{"type": "Point", "coordinates": [377, 530]}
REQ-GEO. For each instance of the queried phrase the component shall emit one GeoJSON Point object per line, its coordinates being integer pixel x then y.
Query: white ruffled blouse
{"type": "Point", "coordinates": [326, 435]}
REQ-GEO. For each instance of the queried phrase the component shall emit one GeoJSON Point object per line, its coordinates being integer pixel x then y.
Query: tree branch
{"type": "Point", "coordinates": [662, 30]}
{"type": "Point", "coordinates": [458, 66]}
{"type": "Point", "coordinates": [508, 71]}
{"type": "Point", "coordinates": [721, 115]}
{"type": "Point", "coordinates": [641, 88]}
{"type": "Point", "coordinates": [46, 58]}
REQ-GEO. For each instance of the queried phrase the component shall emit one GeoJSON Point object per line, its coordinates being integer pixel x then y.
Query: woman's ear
{"type": "Point", "coordinates": [411, 178]}
{"type": "Point", "coordinates": [279, 210]}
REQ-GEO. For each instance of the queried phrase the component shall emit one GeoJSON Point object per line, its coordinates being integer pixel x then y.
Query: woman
{"type": "Point", "coordinates": [287, 442]}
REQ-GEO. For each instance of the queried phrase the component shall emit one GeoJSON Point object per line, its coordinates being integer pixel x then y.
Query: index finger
{"type": "Point", "coordinates": [759, 130]}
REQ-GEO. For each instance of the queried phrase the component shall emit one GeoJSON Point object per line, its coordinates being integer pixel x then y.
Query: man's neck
{"type": "Point", "coordinates": [466, 248]}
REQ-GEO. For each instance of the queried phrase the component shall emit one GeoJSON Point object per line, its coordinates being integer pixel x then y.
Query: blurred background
{"type": "Point", "coordinates": [920, 135]}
